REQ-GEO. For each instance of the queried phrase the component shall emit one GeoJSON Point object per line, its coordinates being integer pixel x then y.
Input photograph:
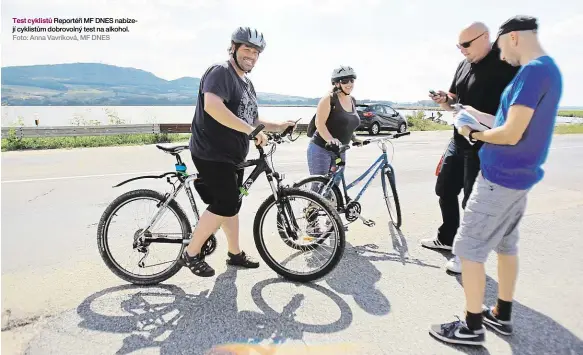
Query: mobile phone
{"type": "Point", "coordinates": [432, 92]}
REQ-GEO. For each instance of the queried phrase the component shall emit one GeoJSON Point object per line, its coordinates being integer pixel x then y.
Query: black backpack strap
{"type": "Point", "coordinates": [332, 97]}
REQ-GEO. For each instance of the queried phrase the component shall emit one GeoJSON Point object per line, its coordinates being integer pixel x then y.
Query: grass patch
{"type": "Point", "coordinates": [418, 123]}
{"type": "Point", "coordinates": [569, 128]}
{"type": "Point", "coordinates": [13, 143]}
{"type": "Point", "coordinates": [567, 113]}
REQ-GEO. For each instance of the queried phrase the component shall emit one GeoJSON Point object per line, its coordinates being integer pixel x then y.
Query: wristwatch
{"type": "Point", "coordinates": [470, 136]}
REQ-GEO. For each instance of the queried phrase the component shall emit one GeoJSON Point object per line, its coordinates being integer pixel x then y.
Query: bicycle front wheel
{"type": "Point", "coordinates": [391, 197]}
{"type": "Point", "coordinates": [311, 223]}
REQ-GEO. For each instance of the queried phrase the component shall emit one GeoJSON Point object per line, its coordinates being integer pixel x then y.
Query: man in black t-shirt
{"type": "Point", "coordinates": [478, 82]}
{"type": "Point", "coordinates": [226, 113]}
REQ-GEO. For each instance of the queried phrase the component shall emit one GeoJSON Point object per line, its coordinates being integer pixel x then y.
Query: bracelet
{"type": "Point", "coordinates": [470, 136]}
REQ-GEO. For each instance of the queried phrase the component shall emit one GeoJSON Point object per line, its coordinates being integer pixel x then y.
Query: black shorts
{"type": "Point", "coordinates": [219, 186]}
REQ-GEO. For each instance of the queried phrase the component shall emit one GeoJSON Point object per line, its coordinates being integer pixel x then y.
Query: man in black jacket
{"type": "Point", "coordinates": [478, 82]}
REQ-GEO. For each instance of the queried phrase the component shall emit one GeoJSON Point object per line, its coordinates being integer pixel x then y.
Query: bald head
{"type": "Point", "coordinates": [474, 41]}
{"type": "Point", "coordinates": [474, 29]}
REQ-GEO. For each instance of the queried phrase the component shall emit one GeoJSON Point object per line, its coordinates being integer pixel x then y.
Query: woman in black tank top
{"type": "Point", "coordinates": [336, 121]}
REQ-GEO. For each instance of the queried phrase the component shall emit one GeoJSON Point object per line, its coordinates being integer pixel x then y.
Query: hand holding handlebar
{"type": "Point", "coordinates": [265, 138]}
{"type": "Point", "coordinates": [337, 148]}
{"type": "Point", "coordinates": [292, 126]}
{"type": "Point", "coordinates": [260, 137]}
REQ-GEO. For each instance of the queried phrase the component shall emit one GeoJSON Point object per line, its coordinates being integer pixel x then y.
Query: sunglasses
{"type": "Point", "coordinates": [469, 43]}
{"type": "Point", "coordinates": [346, 81]}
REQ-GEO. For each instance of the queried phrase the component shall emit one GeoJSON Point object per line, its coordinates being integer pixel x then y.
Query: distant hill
{"type": "Point", "coordinates": [92, 84]}
{"type": "Point", "coordinates": [95, 84]}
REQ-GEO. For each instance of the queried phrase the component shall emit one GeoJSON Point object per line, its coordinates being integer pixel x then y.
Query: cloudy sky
{"type": "Point", "coordinates": [400, 49]}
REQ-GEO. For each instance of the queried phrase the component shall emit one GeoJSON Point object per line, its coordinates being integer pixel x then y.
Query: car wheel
{"type": "Point", "coordinates": [402, 127]}
{"type": "Point", "coordinates": [375, 128]}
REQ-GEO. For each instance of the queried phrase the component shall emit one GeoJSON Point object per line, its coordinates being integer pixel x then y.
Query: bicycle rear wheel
{"type": "Point", "coordinates": [391, 197]}
{"type": "Point", "coordinates": [133, 236]}
{"type": "Point", "coordinates": [325, 238]}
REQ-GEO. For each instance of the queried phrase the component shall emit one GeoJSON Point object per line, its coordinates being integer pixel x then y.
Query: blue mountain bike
{"type": "Point", "coordinates": [328, 185]}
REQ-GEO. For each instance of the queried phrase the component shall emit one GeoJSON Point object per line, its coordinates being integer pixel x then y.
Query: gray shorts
{"type": "Point", "coordinates": [490, 221]}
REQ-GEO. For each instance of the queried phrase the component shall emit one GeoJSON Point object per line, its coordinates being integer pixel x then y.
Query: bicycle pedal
{"type": "Point", "coordinates": [369, 223]}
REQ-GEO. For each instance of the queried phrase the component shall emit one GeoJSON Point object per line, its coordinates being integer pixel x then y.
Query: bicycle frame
{"type": "Point", "coordinates": [380, 164]}
{"type": "Point", "coordinates": [262, 165]}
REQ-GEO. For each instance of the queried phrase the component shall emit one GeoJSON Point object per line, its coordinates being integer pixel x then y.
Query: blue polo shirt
{"type": "Point", "coordinates": [537, 85]}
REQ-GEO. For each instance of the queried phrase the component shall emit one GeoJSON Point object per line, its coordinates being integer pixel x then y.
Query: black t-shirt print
{"type": "Point", "coordinates": [210, 140]}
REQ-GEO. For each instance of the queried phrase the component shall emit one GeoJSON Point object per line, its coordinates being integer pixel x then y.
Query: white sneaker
{"type": "Point", "coordinates": [454, 265]}
{"type": "Point", "coordinates": [434, 243]}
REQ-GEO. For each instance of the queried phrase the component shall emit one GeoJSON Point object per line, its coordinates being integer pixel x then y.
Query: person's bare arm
{"type": "Point", "coordinates": [449, 101]}
{"type": "Point", "coordinates": [215, 107]}
{"type": "Point", "coordinates": [482, 117]}
{"type": "Point", "coordinates": [269, 126]}
{"type": "Point", "coordinates": [275, 126]}
{"type": "Point", "coordinates": [510, 132]}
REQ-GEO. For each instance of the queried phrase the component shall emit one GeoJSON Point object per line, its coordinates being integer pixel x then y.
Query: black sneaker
{"type": "Point", "coordinates": [458, 333]}
{"type": "Point", "coordinates": [490, 320]}
{"type": "Point", "coordinates": [197, 265]}
{"type": "Point", "coordinates": [243, 260]}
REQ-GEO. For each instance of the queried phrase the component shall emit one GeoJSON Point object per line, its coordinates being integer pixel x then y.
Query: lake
{"type": "Point", "coordinates": [71, 115]}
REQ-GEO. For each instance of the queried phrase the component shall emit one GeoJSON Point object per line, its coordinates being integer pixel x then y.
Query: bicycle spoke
{"type": "Point", "coordinates": [147, 247]}
{"type": "Point", "coordinates": [316, 238]}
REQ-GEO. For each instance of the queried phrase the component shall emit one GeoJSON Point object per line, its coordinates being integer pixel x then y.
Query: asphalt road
{"type": "Point", "coordinates": [59, 298]}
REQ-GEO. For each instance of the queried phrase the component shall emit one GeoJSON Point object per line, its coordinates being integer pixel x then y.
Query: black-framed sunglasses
{"type": "Point", "coordinates": [469, 43]}
{"type": "Point", "coordinates": [346, 81]}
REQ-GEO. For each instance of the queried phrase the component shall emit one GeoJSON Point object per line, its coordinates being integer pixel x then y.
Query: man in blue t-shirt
{"type": "Point", "coordinates": [511, 158]}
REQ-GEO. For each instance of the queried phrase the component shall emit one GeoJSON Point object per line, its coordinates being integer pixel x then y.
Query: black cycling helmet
{"type": "Point", "coordinates": [250, 37]}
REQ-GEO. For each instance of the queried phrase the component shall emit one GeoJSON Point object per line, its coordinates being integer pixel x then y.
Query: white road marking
{"type": "Point", "coordinates": [82, 177]}
{"type": "Point", "coordinates": [354, 159]}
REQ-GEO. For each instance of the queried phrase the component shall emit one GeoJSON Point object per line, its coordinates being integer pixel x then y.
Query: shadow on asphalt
{"type": "Point", "coordinates": [167, 318]}
{"type": "Point", "coordinates": [534, 333]}
{"type": "Point", "coordinates": [356, 275]}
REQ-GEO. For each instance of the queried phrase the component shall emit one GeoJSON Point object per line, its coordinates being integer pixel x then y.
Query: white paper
{"type": "Point", "coordinates": [463, 118]}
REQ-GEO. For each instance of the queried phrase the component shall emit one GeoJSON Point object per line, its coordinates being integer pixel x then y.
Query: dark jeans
{"type": "Point", "coordinates": [458, 172]}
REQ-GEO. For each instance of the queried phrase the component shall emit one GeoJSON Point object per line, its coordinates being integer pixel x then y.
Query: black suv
{"type": "Point", "coordinates": [376, 117]}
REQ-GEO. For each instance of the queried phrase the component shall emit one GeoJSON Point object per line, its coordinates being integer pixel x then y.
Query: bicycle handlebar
{"type": "Point", "coordinates": [392, 136]}
{"type": "Point", "coordinates": [344, 147]}
{"type": "Point", "coordinates": [256, 131]}
{"type": "Point", "coordinates": [272, 137]}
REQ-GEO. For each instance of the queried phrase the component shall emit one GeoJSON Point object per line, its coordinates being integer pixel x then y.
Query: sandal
{"type": "Point", "coordinates": [197, 265]}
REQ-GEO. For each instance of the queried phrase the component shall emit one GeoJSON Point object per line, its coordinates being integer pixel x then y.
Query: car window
{"type": "Point", "coordinates": [379, 109]}
{"type": "Point", "coordinates": [390, 111]}
{"type": "Point", "coordinates": [362, 108]}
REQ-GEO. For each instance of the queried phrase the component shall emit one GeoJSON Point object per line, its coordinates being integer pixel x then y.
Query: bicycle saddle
{"type": "Point", "coordinates": [172, 148]}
